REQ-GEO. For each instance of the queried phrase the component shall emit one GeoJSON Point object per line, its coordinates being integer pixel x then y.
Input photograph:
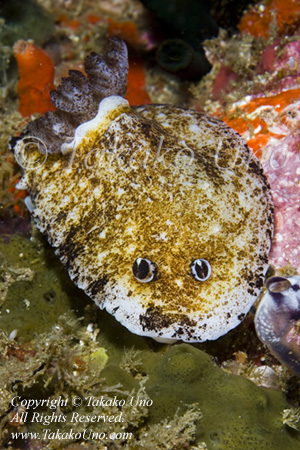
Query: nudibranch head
{"type": "Point", "coordinates": [277, 320]}
{"type": "Point", "coordinates": [162, 215]}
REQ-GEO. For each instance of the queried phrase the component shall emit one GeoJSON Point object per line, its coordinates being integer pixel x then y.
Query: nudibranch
{"type": "Point", "coordinates": [277, 320]}
{"type": "Point", "coordinates": [161, 214]}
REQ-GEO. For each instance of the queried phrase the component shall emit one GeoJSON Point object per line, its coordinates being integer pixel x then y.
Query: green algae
{"type": "Point", "coordinates": [65, 346]}
{"type": "Point", "coordinates": [25, 20]}
{"type": "Point", "coordinates": [33, 306]}
{"type": "Point", "coordinates": [236, 414]}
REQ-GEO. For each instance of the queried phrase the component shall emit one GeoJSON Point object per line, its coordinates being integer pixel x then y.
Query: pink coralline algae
{"type": "Point", "coordinates": [269, 120]}
{"type": "Point", "coordinates": [285, 68]}
{"type": "Point", "coordinates": [283, 171]}
{"type": "Point", "coordinates": [282, 168]}
{"type": "Point", "coordinates": [281, 161]}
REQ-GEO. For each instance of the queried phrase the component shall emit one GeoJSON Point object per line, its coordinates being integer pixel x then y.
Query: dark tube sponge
{"type": "Point", "coordinates": [77, 98]}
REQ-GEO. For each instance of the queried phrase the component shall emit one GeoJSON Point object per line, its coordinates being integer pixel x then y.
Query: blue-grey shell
{"type": "Point", "coordinates": [277, 320]}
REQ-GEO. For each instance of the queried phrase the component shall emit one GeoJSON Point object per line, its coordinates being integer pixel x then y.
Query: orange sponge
{"type": "Point", "coordinates": [36, 72]}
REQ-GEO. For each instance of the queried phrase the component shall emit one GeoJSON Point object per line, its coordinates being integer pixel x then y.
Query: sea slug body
{"type": "Point", "coordinates": [162, 215]}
